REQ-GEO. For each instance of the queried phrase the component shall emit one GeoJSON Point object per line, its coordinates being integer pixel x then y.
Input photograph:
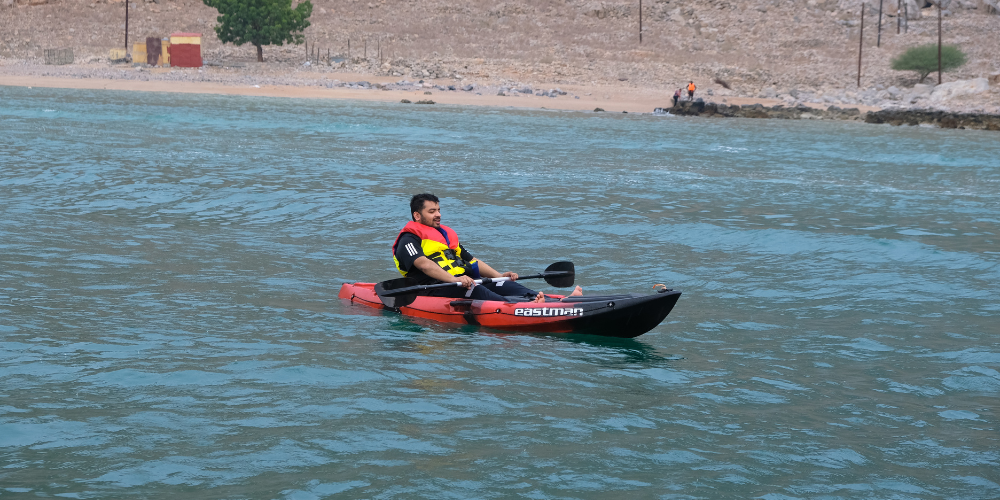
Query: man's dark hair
{"type": "Point", "coordinates": [417, 202]}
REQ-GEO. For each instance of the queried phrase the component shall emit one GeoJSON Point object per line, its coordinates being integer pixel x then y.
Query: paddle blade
{"type": "Point", "coordinates": [398, 300]}
{"type": "Point", "coordinates": [566, 276]}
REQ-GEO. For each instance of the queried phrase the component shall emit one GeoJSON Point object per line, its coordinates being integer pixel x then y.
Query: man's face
{"type": "Point", "coordinates": [430, 215]}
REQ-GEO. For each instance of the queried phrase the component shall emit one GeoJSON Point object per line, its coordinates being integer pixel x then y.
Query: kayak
{"type": "Point", "coordinates": [623, 316]}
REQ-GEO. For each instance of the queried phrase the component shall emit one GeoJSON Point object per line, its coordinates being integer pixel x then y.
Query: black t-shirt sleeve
{"type": "Point", "coordinates": [407, 250]}
{"type": "Point", "coordinates": [464, 254]}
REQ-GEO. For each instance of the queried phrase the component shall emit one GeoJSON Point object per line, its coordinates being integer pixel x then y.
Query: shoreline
{"type": "Point", "coordinates": [319, 83]}
{"type": "Point", "coordinates": [585, 98]}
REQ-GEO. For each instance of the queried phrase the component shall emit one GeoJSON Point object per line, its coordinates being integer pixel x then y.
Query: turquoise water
{"type": "Point", "coordinates": [169, 326]}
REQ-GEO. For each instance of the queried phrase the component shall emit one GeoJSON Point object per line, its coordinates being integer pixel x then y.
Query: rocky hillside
{"type": "Point", "coordinates": [760, 48]}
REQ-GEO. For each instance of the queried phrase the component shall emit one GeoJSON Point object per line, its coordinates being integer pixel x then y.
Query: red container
{"type": "Point", "coordinates": [185, 50]}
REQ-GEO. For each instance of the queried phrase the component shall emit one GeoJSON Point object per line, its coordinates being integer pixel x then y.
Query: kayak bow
{"type": "Point", "coordinates": [624, 316]}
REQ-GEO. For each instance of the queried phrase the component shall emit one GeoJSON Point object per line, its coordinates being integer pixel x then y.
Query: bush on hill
{"type": "Point", "coordinates": [924, 59]}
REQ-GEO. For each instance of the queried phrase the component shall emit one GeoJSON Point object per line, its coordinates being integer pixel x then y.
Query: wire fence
{"type": "Point", "coordinates": [354, 49]}
{"type": "Point", "coordinates": [58, 56]}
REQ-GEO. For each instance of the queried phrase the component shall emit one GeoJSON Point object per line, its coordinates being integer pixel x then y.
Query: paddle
{"type": "Point", "coordinates": [403, 291]}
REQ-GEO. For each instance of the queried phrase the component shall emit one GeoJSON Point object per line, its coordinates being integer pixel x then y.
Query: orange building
{"type": "Point", "coordinates": [185, 50]}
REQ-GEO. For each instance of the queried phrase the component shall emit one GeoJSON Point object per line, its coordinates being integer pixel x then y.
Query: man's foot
{"type": "Point", "coordinates": [541, 295]}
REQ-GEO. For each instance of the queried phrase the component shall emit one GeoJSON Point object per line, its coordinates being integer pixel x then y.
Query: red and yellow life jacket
{"type": "Point", "coordinates": [446, 253]}
{"type": "Point", "coordinates": [691, 87]}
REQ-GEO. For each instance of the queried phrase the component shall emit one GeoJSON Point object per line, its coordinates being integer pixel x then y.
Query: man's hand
{"type": "Point", "coordinates": [466, 281]}
{"type": "Point", "coordinates": [512, 276]}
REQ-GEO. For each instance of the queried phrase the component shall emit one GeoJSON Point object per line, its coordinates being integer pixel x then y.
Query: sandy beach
{"type": "Point", "coordinates": [612, 99]}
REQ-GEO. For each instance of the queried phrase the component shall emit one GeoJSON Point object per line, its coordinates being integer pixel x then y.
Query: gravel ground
{"type": "Point", "coordinates": [789, 50]}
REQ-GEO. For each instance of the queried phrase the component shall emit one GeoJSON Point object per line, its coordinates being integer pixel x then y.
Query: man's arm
{"type": "Point", "coordinates": [430, 268]}
{"type": "Point", "coordinates": [488, 272]}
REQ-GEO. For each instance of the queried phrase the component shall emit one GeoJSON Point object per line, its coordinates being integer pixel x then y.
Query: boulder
{"type": "Point", "coordinates": [951, 90]}
{"type": "Point", "coordinates": [912, 9]}
{"type": "Point", "coordinates": [920, 90]}
{"type": "Point", "coordinates": [594, 9]}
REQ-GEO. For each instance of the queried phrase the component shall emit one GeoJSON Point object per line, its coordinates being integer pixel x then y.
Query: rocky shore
{"type": "Point", "coordinates": [301, 78]}
{"type": "Point", "coordinates": [892, 116]}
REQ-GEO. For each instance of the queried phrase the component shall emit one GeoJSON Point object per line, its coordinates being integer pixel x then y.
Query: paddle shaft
{"type": "Point", "coordinates": [418, 288]}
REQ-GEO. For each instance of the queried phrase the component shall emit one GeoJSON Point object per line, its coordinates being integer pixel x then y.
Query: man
{"type": "Point", "coordinates": [691, 88]}
{"type": "Point", "coordinates": [431, 253]}
{"type": "Point", "coordinates": [677, 96]}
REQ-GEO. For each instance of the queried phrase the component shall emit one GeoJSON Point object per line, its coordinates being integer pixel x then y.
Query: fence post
{"type": "Point", "coordinates": [126, 29]}
{"type": "Point", "coordinates": [879, 42]}
{"type": "Point", "coordinates": [861, 39]}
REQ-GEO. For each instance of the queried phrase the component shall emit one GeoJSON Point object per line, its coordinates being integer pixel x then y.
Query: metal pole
{"type": "Point", "coordinates": [939, 41]}
{"type": "Point", "coordinates": [879, 42]}
{"type": "Point", "coordinates": [861, 39]}
{"type": "Point", "coordinates": [899, 10]}
{"type": "Point", "coordinates": [640, 21]}
{"type": "Point", "coordinates": [126, 28]}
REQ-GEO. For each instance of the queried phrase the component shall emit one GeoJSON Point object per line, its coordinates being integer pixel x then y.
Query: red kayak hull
{"type": "Point", "coordinates": [623, 316]}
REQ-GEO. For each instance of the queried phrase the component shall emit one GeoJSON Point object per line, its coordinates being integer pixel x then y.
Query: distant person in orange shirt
{"type": "Point", "coordinates": [691, 88]}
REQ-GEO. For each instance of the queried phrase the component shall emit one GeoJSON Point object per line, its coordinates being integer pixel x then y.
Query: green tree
{"type": "Point", "coordinates": [261, 22]}
{"type": "Point", "coordinates": [924, 59]}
